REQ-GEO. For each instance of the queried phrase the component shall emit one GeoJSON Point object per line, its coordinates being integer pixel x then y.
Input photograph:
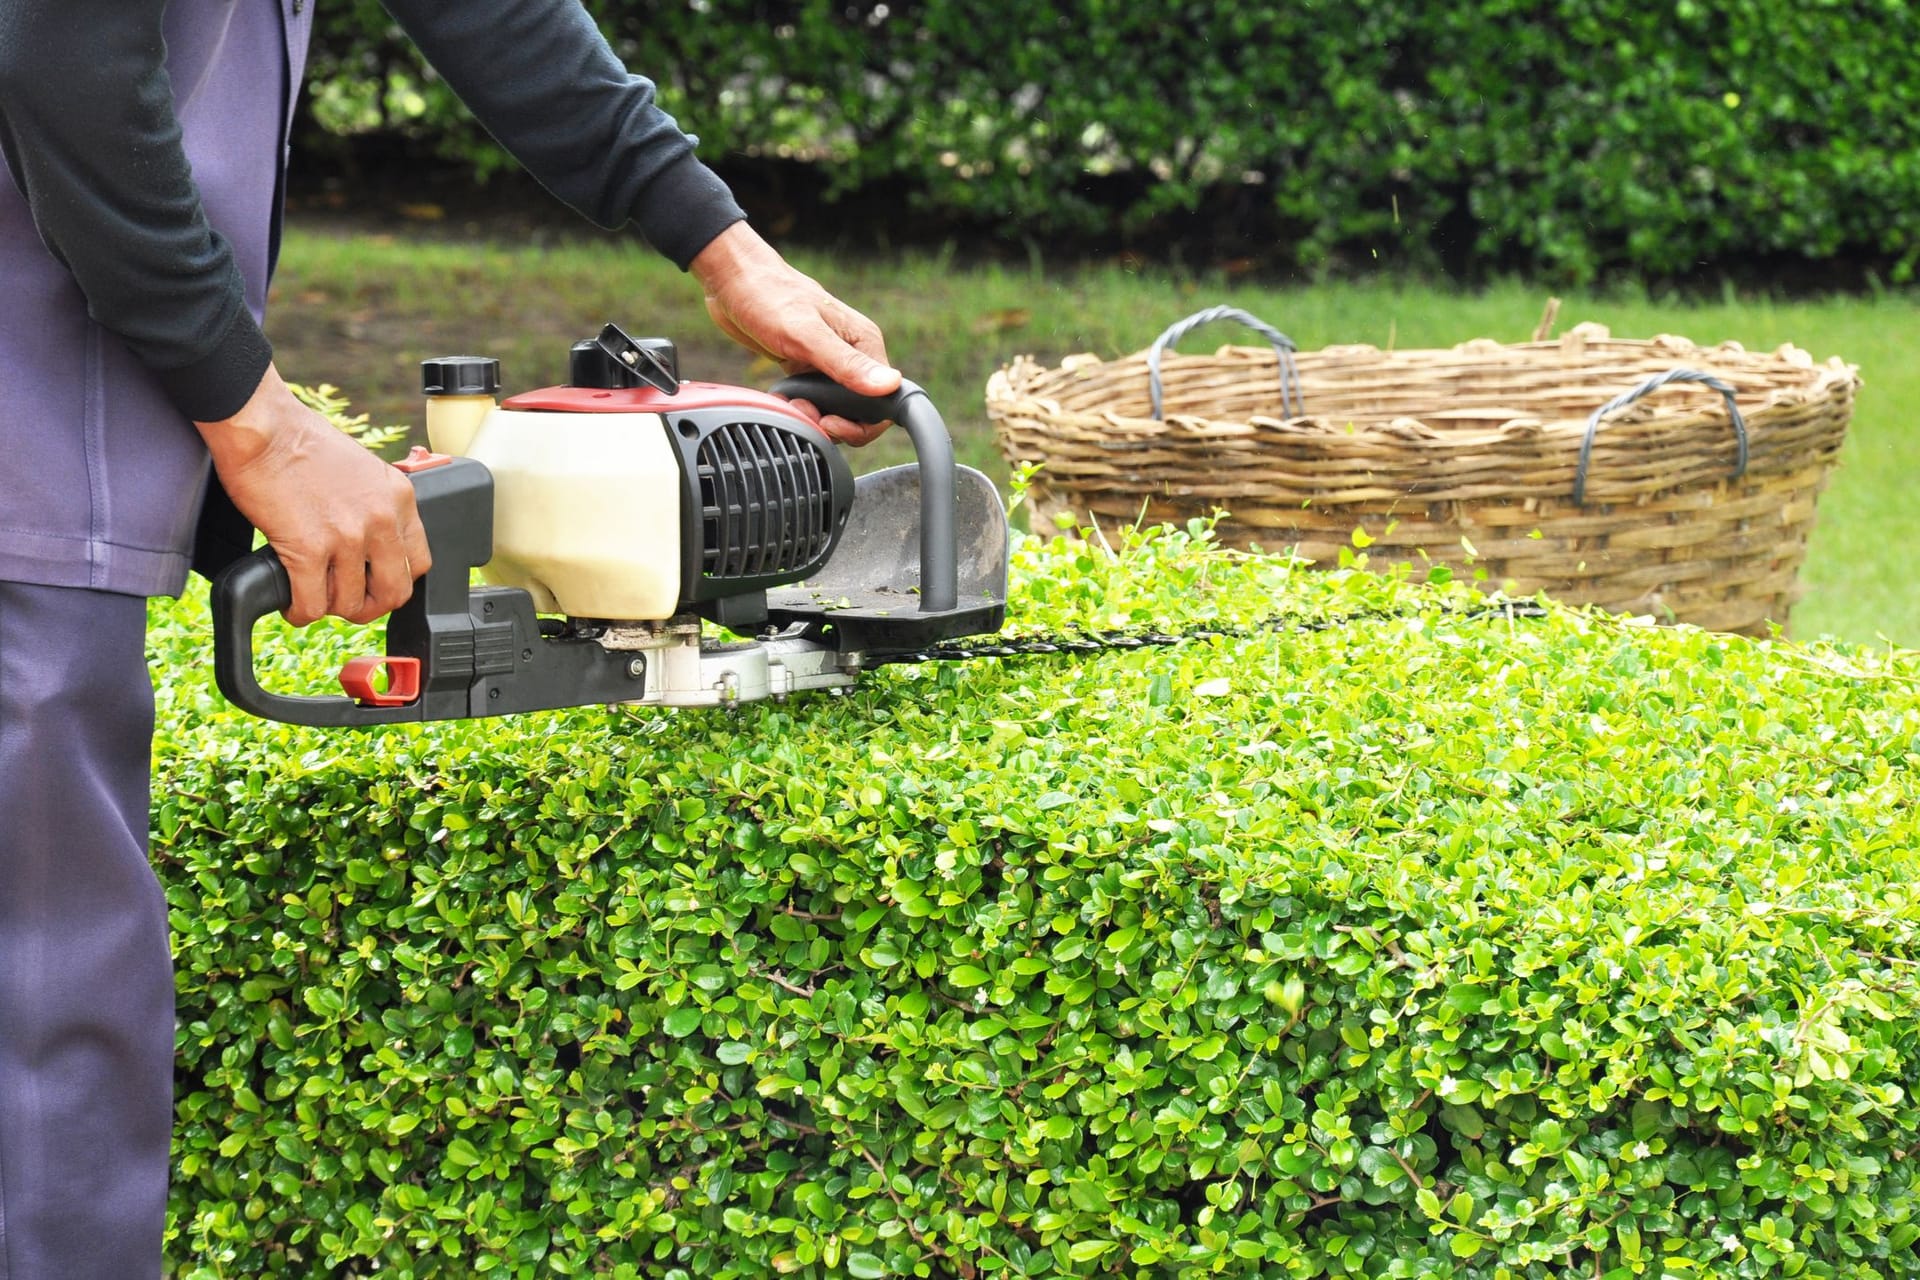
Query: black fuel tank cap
{"type": "Point", "coordinates": [460, 376]}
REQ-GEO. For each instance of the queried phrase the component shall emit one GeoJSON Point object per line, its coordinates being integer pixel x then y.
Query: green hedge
{"type": "Point", "coordinates": [1435, 946]}
{"type": "Point", "coordinates": [1571, 136]}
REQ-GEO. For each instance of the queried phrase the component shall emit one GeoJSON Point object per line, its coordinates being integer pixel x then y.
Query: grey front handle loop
{"type": "Point", "coordinates": [1292, 403]}
{"type": "Point", "coordinates": [1653, 384]}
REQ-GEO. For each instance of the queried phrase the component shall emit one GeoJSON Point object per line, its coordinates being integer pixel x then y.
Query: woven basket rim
{"type": "Point", "coordinates": [1015, 381]}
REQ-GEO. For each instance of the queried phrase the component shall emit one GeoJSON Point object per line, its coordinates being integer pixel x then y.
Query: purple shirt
{"type": "Point", "coordinates": [101, 475]}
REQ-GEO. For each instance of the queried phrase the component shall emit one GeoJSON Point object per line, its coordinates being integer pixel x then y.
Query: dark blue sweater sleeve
{"type": "Point", "coordinates": [88, 129]}
{"type": "Point", "coordinates": [542, 80]}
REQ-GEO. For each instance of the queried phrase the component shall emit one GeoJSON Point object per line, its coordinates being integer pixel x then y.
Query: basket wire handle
{"type": "Point", "coordinates": [1292, 403]}
{"type": "Point", "coordinates": [1653, 384]}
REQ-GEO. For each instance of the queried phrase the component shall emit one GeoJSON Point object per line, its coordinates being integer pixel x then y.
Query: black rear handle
{"type": "Point", "coordinates": [465, 651]}
{"type": "Point", "coordinates": [911, 408]}
{"type": "Point", "coordinates": [251, 588]}
{"type": "Point", "coordinates": [455, 501]}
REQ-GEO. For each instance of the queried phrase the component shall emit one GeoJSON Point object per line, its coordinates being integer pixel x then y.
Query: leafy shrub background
{"type": "Point", "coordinates": [1570, 136]}
{"type": "Point", "coordinates": [1433, 946]}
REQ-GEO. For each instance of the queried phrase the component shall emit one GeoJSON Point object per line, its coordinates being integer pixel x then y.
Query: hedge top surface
{"type": "Point", "coordinates": [1440, 944]}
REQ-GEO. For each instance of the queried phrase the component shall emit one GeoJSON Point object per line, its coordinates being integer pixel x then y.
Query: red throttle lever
{"type": "Point", "coordinates": [403, 680]}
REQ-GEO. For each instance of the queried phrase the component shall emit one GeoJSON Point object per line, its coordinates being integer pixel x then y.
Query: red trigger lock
{"type": "Point", "coordinates": [403, 680]}
{"type": "Point", "coordinates": [420, 458]}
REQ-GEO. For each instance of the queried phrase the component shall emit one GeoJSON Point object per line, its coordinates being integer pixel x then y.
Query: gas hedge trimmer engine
{"type": "Point", "coordinates": [610, 516]}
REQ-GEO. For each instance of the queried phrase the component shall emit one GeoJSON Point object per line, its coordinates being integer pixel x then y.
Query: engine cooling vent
{"type": "Point", "coordinates": [766, 502]}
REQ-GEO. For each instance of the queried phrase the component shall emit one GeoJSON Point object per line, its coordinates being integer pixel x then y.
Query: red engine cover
{"type": "Point", "coordinates": [692, 395]}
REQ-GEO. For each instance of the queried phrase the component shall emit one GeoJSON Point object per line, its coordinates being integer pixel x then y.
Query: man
{"type": "Point", "coordinates": [145, 141]}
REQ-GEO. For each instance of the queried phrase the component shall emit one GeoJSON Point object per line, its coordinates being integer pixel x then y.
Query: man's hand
{"type": "Point", "coordinates": [343, 522]}
{"type": "Point", "coordinates": [768, 307]}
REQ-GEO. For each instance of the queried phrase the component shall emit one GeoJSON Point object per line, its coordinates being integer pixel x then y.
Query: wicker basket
{"type": "Point", "coordinates": [1691, 505]}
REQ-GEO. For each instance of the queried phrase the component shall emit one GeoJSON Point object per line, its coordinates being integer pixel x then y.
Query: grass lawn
{"type": "Point", "coordinates": [361, 310]}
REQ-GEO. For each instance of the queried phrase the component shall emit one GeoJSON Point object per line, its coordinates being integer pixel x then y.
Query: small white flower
{"type": "Point", "coordinates": [1447, 1085]}
{"type": "Point", "coordinates": [1641, 1151]}
{"type": "Point", "coordinates": [1729, 1242]}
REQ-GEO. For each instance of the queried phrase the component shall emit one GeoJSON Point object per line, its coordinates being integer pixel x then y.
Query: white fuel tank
{"type": "Point", "coordinates": [586, 512]}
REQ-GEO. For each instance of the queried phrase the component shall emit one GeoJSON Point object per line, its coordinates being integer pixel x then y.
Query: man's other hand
{"type": "Point", "coordinates": [342, 521]}
{"type": "Point", "coordinates": [766, 306]}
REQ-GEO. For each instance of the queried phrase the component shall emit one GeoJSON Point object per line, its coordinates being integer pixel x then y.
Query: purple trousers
{"type": "Point", "coordinates": [86, 987]}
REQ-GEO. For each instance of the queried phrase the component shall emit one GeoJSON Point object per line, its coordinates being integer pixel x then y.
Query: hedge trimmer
{"type": "Point", "coordinates": [613, 516]}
